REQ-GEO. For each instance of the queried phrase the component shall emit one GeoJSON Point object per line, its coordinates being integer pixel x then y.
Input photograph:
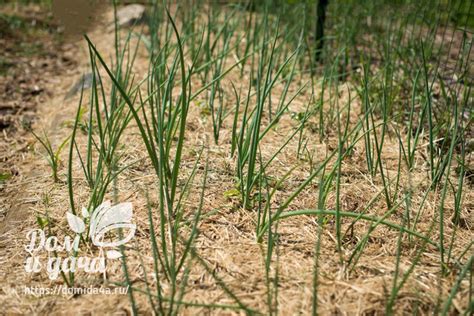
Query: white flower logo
{"type": "Point", "coordinates": [103, 219]}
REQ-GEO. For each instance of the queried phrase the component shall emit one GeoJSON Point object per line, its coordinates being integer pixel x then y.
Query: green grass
{"type": "Point", "coordinates": [52, 155]}
{"type": "Point", "coordinates": [250, 69]}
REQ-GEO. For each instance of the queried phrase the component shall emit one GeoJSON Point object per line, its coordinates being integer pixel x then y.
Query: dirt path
{"type": "Point", "coordinates": [34, 86]}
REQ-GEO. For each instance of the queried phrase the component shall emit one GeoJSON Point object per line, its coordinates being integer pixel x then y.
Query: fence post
{"type": "Point", "coordinates": [321, 7]}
